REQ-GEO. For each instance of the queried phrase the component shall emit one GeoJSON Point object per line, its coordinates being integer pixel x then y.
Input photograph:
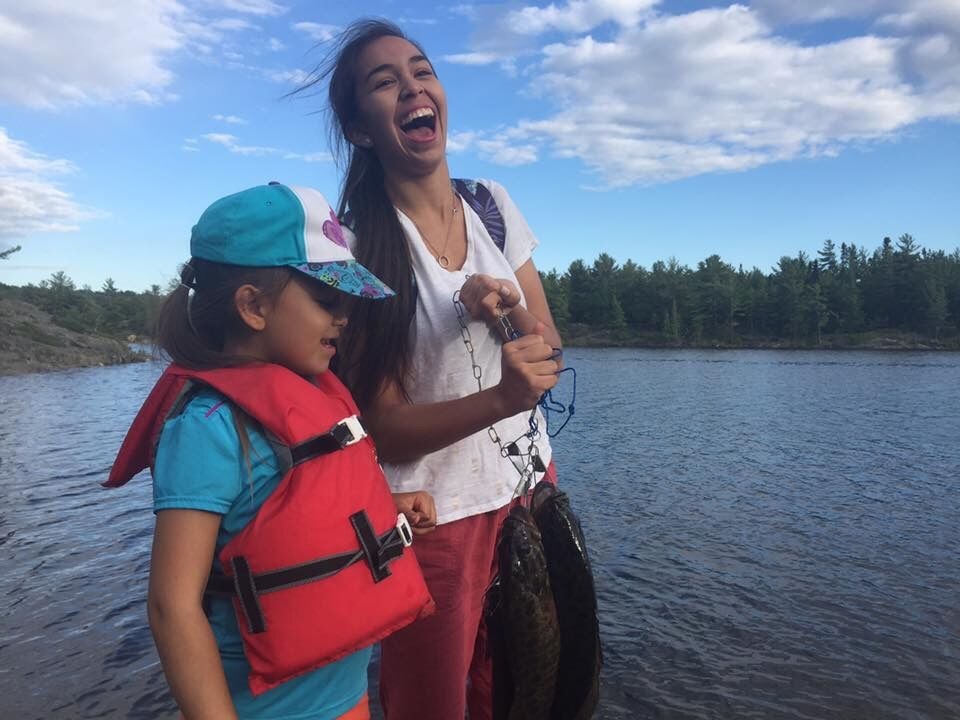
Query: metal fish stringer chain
{"type": "Point", "coordinates": [532, 463]}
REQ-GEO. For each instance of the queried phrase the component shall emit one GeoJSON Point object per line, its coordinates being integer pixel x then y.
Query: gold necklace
{"type": "Point", "coordinates": [440, 255]}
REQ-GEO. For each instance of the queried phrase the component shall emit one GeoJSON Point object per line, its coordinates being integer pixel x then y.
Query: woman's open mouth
{"type": "Point", "coordinates": [420, 124]}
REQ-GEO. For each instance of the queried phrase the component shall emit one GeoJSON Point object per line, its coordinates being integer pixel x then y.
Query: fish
{"type": "Point", "coordinates": [522, 626]}
{"type": "Point", "coordinates": [574, 594]}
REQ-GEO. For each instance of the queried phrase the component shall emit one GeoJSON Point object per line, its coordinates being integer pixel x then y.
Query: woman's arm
{"type": "Point", "coordinates": [404, 431]}
{"type": "Point", "coordinates": [183, 545]}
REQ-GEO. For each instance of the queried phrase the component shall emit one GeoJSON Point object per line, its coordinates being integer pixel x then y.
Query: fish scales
{"type": "Point", "coordinates": [571, 579]}
{"type": "Point", "coordinates": [530, 634]}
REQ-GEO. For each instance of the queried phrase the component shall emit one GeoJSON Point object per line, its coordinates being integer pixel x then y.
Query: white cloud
{"type": "Point", "coordinates": [230, 119]}
{"type": "Point", "coordinates": [460, 141]}
{"type": "Point", "coordinates": [30, 202]}
{"type": "Point", "coordinates": [473, 58]}
{"type": "Point", "coordinates": [231, 143]}
{"type": "Point", "coordinates": [314, 157]}
{"type": "Point", "coordinates": [500, 151]}
{"type": "Point", "coordinates": [253, 7]}
{"type": "Point", "coordinates": [289, 77]}
{"type": "Point", "coordinates": [464, 9]}
{"type": "Point", "coordinates": [231, 24]}
{"type": "Point", "coordinates": [577, 15]}
{"type": "Point", "coordinates": [16, 157]}
{"type": "Point", "coordinates": [662, 97]}
{"type": "Point", "coordinates": [57, 53]}
{"type": "Point", "coordinates": [502, 147]}
{"type": "Point", "coordinates": [317, 31]}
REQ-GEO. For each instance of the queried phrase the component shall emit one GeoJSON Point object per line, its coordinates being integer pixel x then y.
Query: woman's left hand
{"type": "Point", "coordinates": [419, 508]}
{"type": "Point", "coordinates": [486, 298]}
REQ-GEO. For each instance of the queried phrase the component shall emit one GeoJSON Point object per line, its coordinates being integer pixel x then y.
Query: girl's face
{"type": "Point", "coordinates": [301, 326]}
{"type": "Point", "coordinates": [402, 107]}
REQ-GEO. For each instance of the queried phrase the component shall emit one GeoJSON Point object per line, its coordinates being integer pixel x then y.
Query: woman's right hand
{"type": "Point", "coordinates": [527, 371]}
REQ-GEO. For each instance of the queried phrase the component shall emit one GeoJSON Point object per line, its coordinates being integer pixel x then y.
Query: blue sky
{"type": "Point", "coordinates": [642, 128]}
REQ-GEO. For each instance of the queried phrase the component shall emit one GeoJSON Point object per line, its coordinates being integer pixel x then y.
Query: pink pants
{"type": "Point", "coordinates": [426, 666]}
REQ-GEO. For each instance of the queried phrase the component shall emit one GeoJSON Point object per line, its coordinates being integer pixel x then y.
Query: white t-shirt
{"type": "Point", "coordinates": [470, 476]}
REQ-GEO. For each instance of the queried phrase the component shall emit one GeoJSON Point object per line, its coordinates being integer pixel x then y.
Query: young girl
{"type": "Point", "coordinates": [268, 495]}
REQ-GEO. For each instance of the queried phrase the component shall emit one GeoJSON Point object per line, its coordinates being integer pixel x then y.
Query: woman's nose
{"type": "Point", "coordinates": [412, 87]}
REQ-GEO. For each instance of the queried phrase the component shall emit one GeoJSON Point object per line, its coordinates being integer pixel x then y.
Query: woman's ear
{"type": "Point", "coordinates": [252, 306]}
{"type": "Point", "coordinates": [359, 138]}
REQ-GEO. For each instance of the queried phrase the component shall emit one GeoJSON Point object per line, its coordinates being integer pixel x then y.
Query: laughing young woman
{"type": "Point", "coordinates": [431, 375]}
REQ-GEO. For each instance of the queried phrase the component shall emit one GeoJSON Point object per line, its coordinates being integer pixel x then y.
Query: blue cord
{"type": "Point", "coordinates": [549, 404]}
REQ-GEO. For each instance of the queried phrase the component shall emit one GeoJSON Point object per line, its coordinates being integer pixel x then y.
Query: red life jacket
{"type": "Point", "coordinates": [322, 569]}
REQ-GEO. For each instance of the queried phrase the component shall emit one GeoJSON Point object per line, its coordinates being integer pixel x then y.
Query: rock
{"type": "Point", "coordinates": [31, 342]}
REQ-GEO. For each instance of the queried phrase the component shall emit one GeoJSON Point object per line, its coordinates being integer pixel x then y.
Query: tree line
{"type": "Point", "coordinates": [107, 311]}
{"type": "Point", "coordinates": [803, 301]}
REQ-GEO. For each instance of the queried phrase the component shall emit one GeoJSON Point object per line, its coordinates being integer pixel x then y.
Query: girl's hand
{"type": "Point", "coordinates": [528, 369]}
{"type": "Point", "coordinates": [486, 297]}
{"type": "Point", "coordinates": [419, 509]}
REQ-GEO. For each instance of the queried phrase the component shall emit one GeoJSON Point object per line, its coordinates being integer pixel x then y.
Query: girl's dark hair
{"type": "Point", "coordinates": [375, 349]}
{"type": "Point", "coordinates": [192, 331]}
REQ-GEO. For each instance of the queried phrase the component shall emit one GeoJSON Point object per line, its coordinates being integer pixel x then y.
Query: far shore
{"type": "Point", "coordinates": [30, 342]}
{"type": "Point", "coordinates": [102, 352]}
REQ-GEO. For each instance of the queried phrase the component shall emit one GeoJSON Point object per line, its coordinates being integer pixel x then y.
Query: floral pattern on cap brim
{"type": "Point", "coordinates": [348, 276]}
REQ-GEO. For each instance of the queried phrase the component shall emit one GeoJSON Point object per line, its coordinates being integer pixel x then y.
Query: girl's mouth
{"type": "Point", "coordinates": [420, 124]}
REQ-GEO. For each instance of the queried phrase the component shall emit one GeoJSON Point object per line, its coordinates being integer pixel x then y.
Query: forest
{"type": "Point", "coordinates": [835, 298]}
{"type": "Point", "coordinates": [838, 297]}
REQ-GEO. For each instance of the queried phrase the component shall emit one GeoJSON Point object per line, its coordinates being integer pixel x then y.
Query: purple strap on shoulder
{"type": "Point", "coordinates": [479, 198]}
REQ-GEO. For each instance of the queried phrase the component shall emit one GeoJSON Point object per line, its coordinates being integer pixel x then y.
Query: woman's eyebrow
{"type": "Point", "coordinates": [388, 66]}
{"type": "Point", "coordinates": [378, 68]}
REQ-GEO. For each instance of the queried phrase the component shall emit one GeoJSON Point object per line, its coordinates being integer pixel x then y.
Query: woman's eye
{"type": "Point", "coordinates": [383, 82]}
{"type": "Point", "coordinates": [424, 73]}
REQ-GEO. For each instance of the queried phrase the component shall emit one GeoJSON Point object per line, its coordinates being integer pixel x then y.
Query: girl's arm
{"type": "Point", "coordinates": [405, 431]}
{"type": "Point", "coordinates": [183, 546]}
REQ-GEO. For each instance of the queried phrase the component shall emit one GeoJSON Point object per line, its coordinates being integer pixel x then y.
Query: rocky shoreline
{"type": "Point", "coordinates": [31, 342]}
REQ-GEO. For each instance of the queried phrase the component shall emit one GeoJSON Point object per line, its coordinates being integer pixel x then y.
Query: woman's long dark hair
{"type": "Point", "coordinates": [375, 350]}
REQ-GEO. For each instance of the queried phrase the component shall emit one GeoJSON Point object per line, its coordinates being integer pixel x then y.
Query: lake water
{"type": "Point", "coordinates": [774, 535]}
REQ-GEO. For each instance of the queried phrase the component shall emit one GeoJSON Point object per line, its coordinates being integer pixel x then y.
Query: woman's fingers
{"type": "Point", "coordinates": [528, 370]}
{"type": "Point", "coordinates": [485, 297]}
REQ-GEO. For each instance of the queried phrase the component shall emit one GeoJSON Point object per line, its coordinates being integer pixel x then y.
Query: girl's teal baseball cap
{"type": "Point", "coordinates": [278, 225]}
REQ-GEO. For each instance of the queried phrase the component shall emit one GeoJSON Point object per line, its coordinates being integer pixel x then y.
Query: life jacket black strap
{"type": "Point", "coordinates": [377, 554]}
{"type": "Point", "coordinates": [246, 586]}
{"type": "Point", "coordinates": [344, 433]}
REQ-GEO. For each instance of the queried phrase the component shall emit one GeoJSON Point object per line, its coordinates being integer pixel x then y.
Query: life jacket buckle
{"type": "Point", "coordinates": [406, 532]}
{"type": "Point", "coordinates": [348, 431]}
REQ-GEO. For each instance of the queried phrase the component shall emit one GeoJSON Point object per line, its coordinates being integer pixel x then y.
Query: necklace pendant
{"type": "Point", "coordinates": [443, 261]}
